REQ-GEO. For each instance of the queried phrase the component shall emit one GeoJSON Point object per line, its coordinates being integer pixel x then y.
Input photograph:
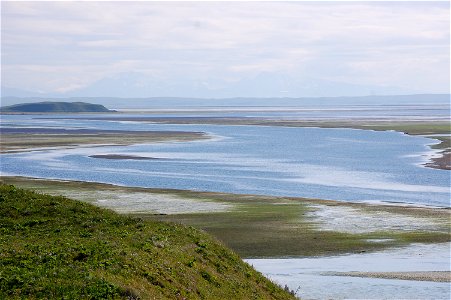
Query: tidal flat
{"type": "Point", "coordinates": [438, 129]}
{"type": "Point", "coordinates": [262, 227]}
{"type": "Point", "coordinates": [265, 226]}
{"type": "Point", "coordinates": [419, 271]}
{"type": "Point", "coordinates": [338, 164]}
{"type": "Point", "coordinates": [35, 138]}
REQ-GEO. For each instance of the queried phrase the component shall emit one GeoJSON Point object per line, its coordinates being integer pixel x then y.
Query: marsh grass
{"type": "Point", "coordinates": [271, 230]}
{"type": "Point", "coordinates": [267, 226]}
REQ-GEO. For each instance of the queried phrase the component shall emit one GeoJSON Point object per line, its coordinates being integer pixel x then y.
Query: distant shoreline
{"type": "Point", "coordinates": [56, 107]}
{"type": "Point", "coordinates": [15, 140]}
{"type": "Point", "coordinates": [186, 101]}
{"type": "Point", "coordinates": [434, 129]}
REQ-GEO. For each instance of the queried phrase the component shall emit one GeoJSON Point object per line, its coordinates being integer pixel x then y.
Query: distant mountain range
{"type": "Point", "coordinates": [54, 107]}
{"type": "Point", "coordinates": [265, 84]}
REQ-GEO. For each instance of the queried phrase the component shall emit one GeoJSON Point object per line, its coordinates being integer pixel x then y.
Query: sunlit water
{"type": "Point", "coordinates": [309, 276]}
{"type": "Point", "coordinates": [340, 164]}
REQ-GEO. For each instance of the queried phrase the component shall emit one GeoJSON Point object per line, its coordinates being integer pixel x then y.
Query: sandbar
{"type": "Point", "coordinates": [121, 156]}
{"type": "Point", "coordinates": [436, 276]}
{"type": "Point", "coordinates": [428, 128]}
{"type": "Point", "coordinates": [30, 139]}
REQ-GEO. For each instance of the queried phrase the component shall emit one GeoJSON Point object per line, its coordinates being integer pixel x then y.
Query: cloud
{"type": "Point", "coordinates": [358, 42]}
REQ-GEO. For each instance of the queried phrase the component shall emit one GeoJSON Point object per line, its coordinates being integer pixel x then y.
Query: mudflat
{"type": "Point", "coordinates": [442, 162]}
{"type": "Point", "coordinates": [437, 129]}
{"type": "Point", "coordinates": [266, 226]}
{"type": "Point", "coordinates": [436, 276]}
{"type": "Point", "coordinates": [27, 139]}
{"type": "Point", "coordinates": [120, 156]}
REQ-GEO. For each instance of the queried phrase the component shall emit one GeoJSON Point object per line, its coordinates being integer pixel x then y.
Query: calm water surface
{"type": "Point", "coordinates": [309, 276]}
{"type": "Point", "coordinates": [339, 164]}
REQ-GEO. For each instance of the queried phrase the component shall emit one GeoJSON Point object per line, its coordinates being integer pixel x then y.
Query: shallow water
{"type": "Point", "coordinates": [339, 164]}
{"type": "Point", "coordinates": [308, 276]}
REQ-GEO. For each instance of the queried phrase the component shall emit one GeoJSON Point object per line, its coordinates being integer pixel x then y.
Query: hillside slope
{"type": "Point", "coordinates": [54, 107]}
{"type": "Point", "coordinates": [54, 248]}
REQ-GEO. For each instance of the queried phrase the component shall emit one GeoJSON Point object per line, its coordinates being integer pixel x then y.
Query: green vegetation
{"type": "Point", "coordinates": [56, 248]}
{"type": "Point", "coordinates": [266, 226]}
{"type": "Point", "coordinates": [262, 226]}
{"type": "Point", "coordinates": [55, 107]}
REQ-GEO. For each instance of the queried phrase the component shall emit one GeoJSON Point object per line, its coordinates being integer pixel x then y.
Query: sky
{"type": "Point", "coordinates": [224, 49]}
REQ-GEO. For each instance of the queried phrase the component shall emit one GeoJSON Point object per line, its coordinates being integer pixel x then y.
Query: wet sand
{"type": "Point", "coordinates": [410, 127]}
{"type": "Point", "coordinates": [29, 139]}
{"type": "Point", "coordinates": [418, 271]}
{"type": "Point", "coordinates": [120, 156]}
{"type": "Point", "coordinates": [443, 162]}
{"type": "Point", "coordinates": [436, 276]}
{"type": "Point", "coordinates": [266, 226]}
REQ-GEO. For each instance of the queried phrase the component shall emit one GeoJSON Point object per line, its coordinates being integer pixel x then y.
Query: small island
{"type": "Point", "coordinates": [55, 107]}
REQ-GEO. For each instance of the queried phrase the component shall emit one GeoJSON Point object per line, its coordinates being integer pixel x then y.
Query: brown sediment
{"type": "Point", "coordinates": [410, 127]}
{"type": "Point", "coordinates": [32, 140]}
{"type": "Point", "coordinates": [263, 226]}
{"type": "Point", "coordinates": [436, 276]}
{"type": "Point", "coordinates": [443, 162]}
{"type": "Point", "coordinates": [120, 156]}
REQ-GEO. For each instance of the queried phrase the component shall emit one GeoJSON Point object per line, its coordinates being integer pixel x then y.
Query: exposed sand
{"type": "Point", "coordinates": [120, 156]}
{"type": "Point", "coordinates": [24, 141]}
{"type": "Point", "coordinates": [359, 220]}
{"type": "Point", "coordinates": [37, 140]}
{"type": "Point", "coordinates": [427, 128]}
{"type": "Point", "coordinates": [244, 221]}
{"type": "Point", "coordinates": [436, 276]}
{"type": "Point", "coordinates": [123, 201]}
{"type": "Point", "coordinates": [443, 162]}
{"type": "Point", "coordinates": [376, 275]}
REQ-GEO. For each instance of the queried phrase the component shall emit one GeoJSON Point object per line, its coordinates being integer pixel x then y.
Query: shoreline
{"type": "Point", "coordinates": [442, 162]}
{"type": "Point", "coordinates": [438, 130]}
{"type": "Point", "coordinates": [35, 141]}
{"type": "Point", "coordinates": [25, 140]}
{"type": "Point", "coordinates": [198, 193]}
{"type": "Point", "coordinates": [258, 226]}
{"type": "Point", "coordinates": [434, 276]}
{"type": "Point", "coordinates": [419, 271]}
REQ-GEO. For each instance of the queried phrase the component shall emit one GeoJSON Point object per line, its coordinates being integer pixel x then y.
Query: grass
{"type": "Point", "coordinates": [422, 127]}
{"type": "Point", "coordinates": [57, 248]}
{"type": "Point", "coordinates": [414, 128]}
{"type": "Point", "coordinates": [269, 229]}
{"type": "Point", "coordinates": [266, 226]}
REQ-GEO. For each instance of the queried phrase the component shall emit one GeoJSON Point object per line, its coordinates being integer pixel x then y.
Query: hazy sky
{"type": "Point", "coordinates": [166, 47]}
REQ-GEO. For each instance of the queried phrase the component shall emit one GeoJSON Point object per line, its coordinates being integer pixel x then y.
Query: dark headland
{"type": "Point", "coordinates": [55, 107]}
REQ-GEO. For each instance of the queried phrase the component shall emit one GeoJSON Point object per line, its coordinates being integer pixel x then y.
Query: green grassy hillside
{"type": "Point", "coordinates": [54, 248]}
